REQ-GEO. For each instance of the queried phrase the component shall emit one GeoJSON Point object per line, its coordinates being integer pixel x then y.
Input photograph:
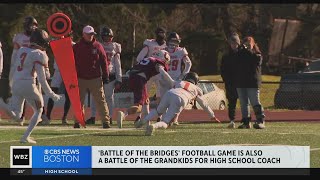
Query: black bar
{"type": "Point", "coordinates": [183, 171]}
{"type": "Point", "coordinates": [21, 171]}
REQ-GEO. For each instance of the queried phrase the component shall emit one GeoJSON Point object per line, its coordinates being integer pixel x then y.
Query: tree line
{"type": "Point", "coordinates": [204, 28]}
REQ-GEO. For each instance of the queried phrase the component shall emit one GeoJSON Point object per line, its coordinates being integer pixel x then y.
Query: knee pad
{"type": "Point", "coordinates": [38, 105]}
{"type": "Point", "coordinates": [147, 101]}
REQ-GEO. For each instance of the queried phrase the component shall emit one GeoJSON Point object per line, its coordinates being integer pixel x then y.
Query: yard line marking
{"type": "Point", "coordinates": [71, 135]}
{"type": "Point", "coordinates": [58, 128]}
{"type": "Point", "coordinates": [252, 145]}
{"type": "Point", "coordinates": [52, 137]}
{"type": "Point", "coordinates": [315, 149]}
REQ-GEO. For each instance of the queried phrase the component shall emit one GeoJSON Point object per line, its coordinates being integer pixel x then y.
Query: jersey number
{"type": "Point", "coordinates": [22, 58]}
{"type": "Point", "coordinates": [144, 61]}
{"type": "Point", "coordinates": [174, 65]}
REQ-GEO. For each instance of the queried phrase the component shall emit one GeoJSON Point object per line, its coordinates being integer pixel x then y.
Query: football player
{"type": "Point", "coordinates": [138, 77]}
{"type": "Point", "coordinates": [33, 62]}
{"type": "Point", "coordinates": [174, 101]}
{"type": "Point", "coordinates": [23, 40]}
{"type": "Point", "coordinates": [178, 58]}
{"type": "Point", "coordinates": [113, 50]}
{"type": "Point", "coordinates": [150, 47]}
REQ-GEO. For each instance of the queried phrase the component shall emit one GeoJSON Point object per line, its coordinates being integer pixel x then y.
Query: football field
{"type": "Point", "coordinates": [186, 134]}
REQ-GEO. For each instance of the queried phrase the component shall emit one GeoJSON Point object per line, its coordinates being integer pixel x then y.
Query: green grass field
{"type": "Point", "coordinates": [302, 134]}
{"type": "Point", "coordinates": [264, 78]}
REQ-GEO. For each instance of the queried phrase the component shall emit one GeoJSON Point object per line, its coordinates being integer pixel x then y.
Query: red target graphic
{"type": "Point", "coordinates": [59, 25]}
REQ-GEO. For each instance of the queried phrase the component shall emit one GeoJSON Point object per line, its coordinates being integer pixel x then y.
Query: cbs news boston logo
{"type": "Point", "coordinates": [20, 156]}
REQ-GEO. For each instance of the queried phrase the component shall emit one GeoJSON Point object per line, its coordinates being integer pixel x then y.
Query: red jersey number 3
{"type": "Point", "coordinates": [22, 58]}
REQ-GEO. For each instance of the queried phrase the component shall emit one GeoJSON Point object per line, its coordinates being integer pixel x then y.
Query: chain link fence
{"type": "Point", "coordinates": [284, 95]}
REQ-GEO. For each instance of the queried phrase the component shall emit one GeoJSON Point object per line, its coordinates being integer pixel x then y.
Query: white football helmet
{"type": "Point", "coordinates": [163, 55]}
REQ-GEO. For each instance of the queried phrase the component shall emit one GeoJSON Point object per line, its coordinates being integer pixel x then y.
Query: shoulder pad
{"type": "Point", "coordinates": [41, 57]}
{"type": "Point", "coordinates": [147, 42]}
{"type": "Point", "coordinates": [117, 47]}
{"type": "Point", "coordinates": [184, 51]}
{"type": "Point", "coordinates": [15, 36]}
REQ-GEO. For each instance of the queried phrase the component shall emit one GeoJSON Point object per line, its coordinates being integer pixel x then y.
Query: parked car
{"type": "Point", "coordinates": [313, 67]}
{"type": "Point", "coordinates": [300, 90]}
{"type": "Point", "coordinates": [213, 95]}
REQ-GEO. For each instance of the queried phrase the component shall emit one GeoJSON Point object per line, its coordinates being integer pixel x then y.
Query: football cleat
{"type": "Point", "coordinates": [149, 130]}
{"type": "Point", "coordinates": [28, 140]}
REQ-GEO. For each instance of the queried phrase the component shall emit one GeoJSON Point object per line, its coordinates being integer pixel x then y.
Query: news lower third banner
{"type": "Point", "coordinates": [81, 160]}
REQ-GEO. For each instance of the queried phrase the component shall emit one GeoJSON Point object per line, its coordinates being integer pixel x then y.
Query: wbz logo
{"type": "Point", "coordinates": [20, 156]}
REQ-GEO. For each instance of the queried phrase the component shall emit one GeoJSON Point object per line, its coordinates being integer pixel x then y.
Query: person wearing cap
{"type": "Point", "coordinates": [228, 69]}
{"type": "Point", "coordinates": [113, 50]}
{"type": "Point", "coordinates": [92, 70]}
{"type": "Point", "coordinates": [151, 46]}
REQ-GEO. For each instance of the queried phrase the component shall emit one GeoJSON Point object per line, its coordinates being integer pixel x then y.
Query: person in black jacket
{"type": "Point", "coordinates": [228, 75]}
{"type": "Point", "coordinates": [248, 83]}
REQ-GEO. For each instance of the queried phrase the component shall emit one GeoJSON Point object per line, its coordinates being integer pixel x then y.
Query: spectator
{"type": "Point", "coordinates": [228, 68]}
{"type": "Point", "coordinates": [249, 82]}
{"type": "Point", "coordinates": [92, 70]}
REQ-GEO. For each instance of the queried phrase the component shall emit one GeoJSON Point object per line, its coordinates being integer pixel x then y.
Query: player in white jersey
{"type": "Point", "coordinates": [150, 47]}
{"type": "Point", "coordinates": [179, 57]}
{"type": "Point", "coordinates": [33, 61]}
{"type": "Point", "coordinates": [174, 101]}
{"type": "Point", "coordinates": [21, 40]}
{"type": "Point", "coordinates": [153, 45]}
{"type": "Point", "coordinates": [113, 51]}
